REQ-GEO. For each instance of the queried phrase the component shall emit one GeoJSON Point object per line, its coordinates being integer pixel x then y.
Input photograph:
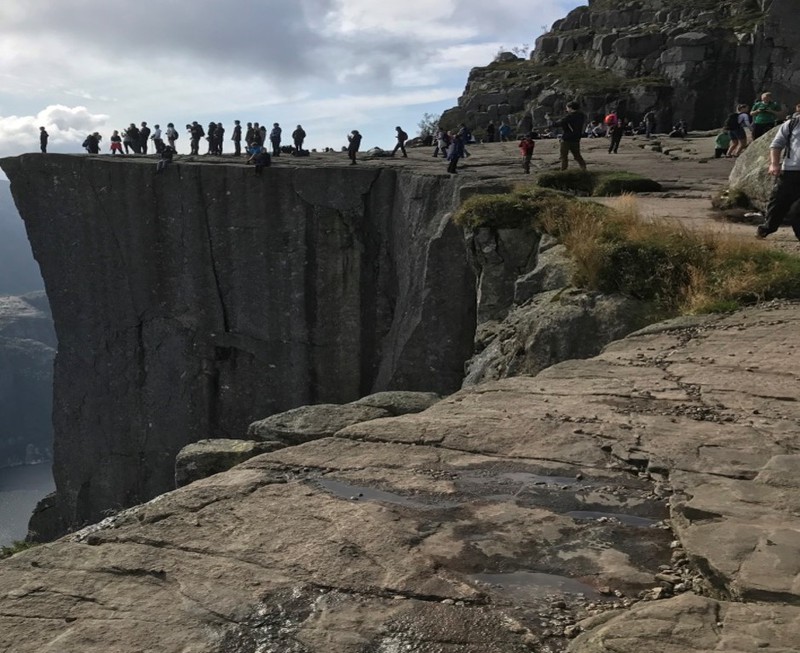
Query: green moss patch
{"type": "Point", "coordinates": [597, 184]}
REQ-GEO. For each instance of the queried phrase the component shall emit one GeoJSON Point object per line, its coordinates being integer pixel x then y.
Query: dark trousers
{"type": "Point", "coordinates": [298, 144]}
{"type": "Point", "coordinates": [574, 148]}
{"type": "Point", "coordinates": [195, 146]}
{"type": "Point", "coordinates": [400, 146]}
{"type": "Point", "coordinates": [237, 148]}
{"type": "Point", "coordinates": [616, 137]}
{"type": "Point", "coordinates": [159, 143]}
{"type": "Point", "coordinates": [276, 146]}
{"type": "Point", "coordinates": [761, 129]}
{"type": "Point", "coordinates": [352, 155]}
{"type": "Point", "coordinates": [784, 202]}
{"type": "Point", "coordinates": [451, 168]}
{"type": "Point", "coordinates": [526, 162]}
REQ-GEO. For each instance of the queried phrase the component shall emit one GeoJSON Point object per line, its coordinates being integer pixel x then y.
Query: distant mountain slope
{"type": "Point", "coordinates": [19, 273]}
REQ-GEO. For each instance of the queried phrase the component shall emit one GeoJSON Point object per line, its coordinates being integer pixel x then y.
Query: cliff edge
{"type": "Point", "coordinates": [189, 304]}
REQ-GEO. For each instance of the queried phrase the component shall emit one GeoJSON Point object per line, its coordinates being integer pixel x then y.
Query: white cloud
{"type": "Point", "coordinates": [65, 126]}
{"type": "Point", "coordinates": [336, 64]}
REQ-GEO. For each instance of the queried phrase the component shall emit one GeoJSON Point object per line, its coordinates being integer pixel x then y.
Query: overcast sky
{"type": "Point", "coordinates": [77, 66]}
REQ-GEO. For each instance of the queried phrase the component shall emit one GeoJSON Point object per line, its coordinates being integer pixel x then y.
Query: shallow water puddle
{"type": "Point", "coordinates": [529, 584]}
{"type": "Point", "coordinates": [363, 493]}
{"type": "Point", "coordinates": [629, 520]}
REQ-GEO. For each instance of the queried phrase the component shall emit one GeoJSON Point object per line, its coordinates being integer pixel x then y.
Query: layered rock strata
{"type": "Point", "coordinates": [690, 62]}
{"type": "Point", "coordinates": [191, 303]}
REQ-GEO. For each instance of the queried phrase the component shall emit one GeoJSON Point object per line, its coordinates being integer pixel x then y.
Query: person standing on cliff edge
{"type": "Point", "coordinates": [43, 136]}
{"type": "Point", "coordinates": [237, 138]}
{"type": "Point", "coordinates": [353, 143]}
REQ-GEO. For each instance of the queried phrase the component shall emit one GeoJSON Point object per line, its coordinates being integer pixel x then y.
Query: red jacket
{"type": "Point", "coordinates": [526, 146]}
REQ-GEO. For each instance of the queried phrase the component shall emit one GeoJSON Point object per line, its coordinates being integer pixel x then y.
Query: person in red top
{"type": "Point", "coordinates": [526, 146]}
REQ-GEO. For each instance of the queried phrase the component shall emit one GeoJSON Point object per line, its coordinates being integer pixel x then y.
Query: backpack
{"type": "Point", "coordinates": [732, 121]}
{"type": "Point", "coordinates": [610, 120]}
{"type": "Point", "coordinates": [787, 151]}
{"type": "Point", "coordinates": [174, 134]}
{"type": "Point", "coordinates": [402, 136]}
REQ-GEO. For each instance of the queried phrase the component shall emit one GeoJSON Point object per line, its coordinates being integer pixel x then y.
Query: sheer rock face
{"type": "Point", "coordinates": [688, 61]}
{"type": "Point", "coordinates": [189, 304]}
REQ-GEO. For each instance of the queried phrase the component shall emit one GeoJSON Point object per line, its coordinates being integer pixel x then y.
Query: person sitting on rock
{"type": "Point", "coordinates": [259, 156]}
{"type": "Point", "coordinates": [166, 153]}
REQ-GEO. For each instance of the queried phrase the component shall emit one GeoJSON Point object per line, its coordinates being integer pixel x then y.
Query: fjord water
{"type": "Point", "coordinates": [20, 489]}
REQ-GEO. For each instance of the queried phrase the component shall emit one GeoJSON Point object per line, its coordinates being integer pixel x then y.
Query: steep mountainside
{"type": "Point", "coordinates": [688, 61]}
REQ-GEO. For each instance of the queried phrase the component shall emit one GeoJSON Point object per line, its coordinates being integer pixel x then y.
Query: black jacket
{"type": "Point", "coordinates": [572, 126]}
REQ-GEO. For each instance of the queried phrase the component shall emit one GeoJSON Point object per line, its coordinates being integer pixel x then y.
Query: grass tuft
{"type": "Point", "coordinates": [674, 270]}
{"type": "Point", "coordinates": [597, 184]}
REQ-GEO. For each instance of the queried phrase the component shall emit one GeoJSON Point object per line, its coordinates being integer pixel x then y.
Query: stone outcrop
{"type": "Point", "coordinates": [642, 500]}
{"type": "Point", "coordinates": [750, 172]}
{"type": "Point", "coordinates": [208, 457]}
{"type": "Point", "coordinates": [190, 304]}
{"type": "Point", "coordinates": [27, 349]}
{"type": "Point", "coordinates": [687, 61]}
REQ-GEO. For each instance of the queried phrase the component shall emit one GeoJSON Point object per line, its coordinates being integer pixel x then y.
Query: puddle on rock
{"type": "Point", "coordinates": [523, 478]}
{"type": "Point", "coordinates": [363, 493]}
{"type": "Point", "coordinates": [534, 585]}
{"type": "Point", "coordinates": [629, 520]}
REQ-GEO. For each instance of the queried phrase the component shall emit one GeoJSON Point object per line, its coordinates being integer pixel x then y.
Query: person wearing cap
{"type": "Point", "coordinates": [402, 137]}
{"type": "Point", "coordinates": [526, 146]}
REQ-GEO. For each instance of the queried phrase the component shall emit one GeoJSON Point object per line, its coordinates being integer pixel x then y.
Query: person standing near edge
{"type": "Point", "coordinates": [353, 143]}
{"type": "Point", "coordinates": [275, 139]}
{"type": "Point", "coordinates": [785, 197]}
{"type": "Point", "coordinates": [298, 136]}
{"type": "Point", "coordinates": [765, 114]}
{"type": "Point", "coordinates": [526, 146]}
{"type": "Point", "coordinates": [237, 138]}
{"type": "Point", "coordinates": [402, 137]}
{"type": "Point", "coordinates": [43, 136]}
{"type": "Point", "coordinates": [571, 127]}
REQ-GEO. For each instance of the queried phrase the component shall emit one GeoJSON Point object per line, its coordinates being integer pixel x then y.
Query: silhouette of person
{"type": "Point", "coordinates": [43, 136]}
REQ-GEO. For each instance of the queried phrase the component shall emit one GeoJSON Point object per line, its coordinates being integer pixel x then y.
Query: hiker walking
{"type": "Point", "coordinates": [526, 146]}
{"type": "Point", "coordinates": [402, 137]}
{"type": "Point", "coordinates": [784, 165]}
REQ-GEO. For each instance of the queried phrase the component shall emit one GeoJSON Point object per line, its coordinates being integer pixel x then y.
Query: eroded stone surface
{"type": "Point", "coordinates": [512, 516]}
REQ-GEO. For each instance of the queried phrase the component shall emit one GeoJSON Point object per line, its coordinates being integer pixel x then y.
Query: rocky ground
{"type": "Point", "coordinates": [644, 500]}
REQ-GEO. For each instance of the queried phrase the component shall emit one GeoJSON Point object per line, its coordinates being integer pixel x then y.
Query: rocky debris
{"type": "Point", "coordinates": [208, 457]}
{"type": "Point", "coordinates": [574, 510]}
{"type": "Point", "coordinates": [550, 328]}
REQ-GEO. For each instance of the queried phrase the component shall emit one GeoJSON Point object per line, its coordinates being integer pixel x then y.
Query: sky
{"type": "Point", "coordinates": [78, 66]}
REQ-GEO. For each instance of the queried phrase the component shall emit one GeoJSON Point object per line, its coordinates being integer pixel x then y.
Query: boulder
{"type": "Point", "coordinates": [750, 172]}
{"type": "Point", "coordinates": [208, 457]}
{"type": "Point", "coordinates": [309, 423]}
{"type": "Point", "coordinates": [553, 270]}
{"type": "Point", "coordinates": [399, 402]}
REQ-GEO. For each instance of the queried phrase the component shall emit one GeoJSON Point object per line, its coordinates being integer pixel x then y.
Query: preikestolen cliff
{"type": "Point", "coordinates": [383, 408]}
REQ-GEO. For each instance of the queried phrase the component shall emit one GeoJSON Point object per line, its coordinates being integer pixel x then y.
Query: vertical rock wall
{"type": "Point", "coordinates": [191, 303]}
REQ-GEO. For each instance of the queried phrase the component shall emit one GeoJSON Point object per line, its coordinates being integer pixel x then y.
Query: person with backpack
{"type": "Point", "coordinates": [735, 125]}
{"type": "Point", "coordinates": [402, 137]}
{"type": "Point", "coordinates": [571, 127]}
{"type": "Point", "coordinates": [298, 136]}
{"type": "Point", "coordinates": [353, 143]}
{"type": "Point", "coordinates": [92, 143]}
{"type": "Point", "coordinates": [172, 135]}
{"type": "Point", "coordinates": [197, 132]}
{"type": "Point", "coordinates": [526, 147]}
{"type": "Point", "coordinates": [784, 166]}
